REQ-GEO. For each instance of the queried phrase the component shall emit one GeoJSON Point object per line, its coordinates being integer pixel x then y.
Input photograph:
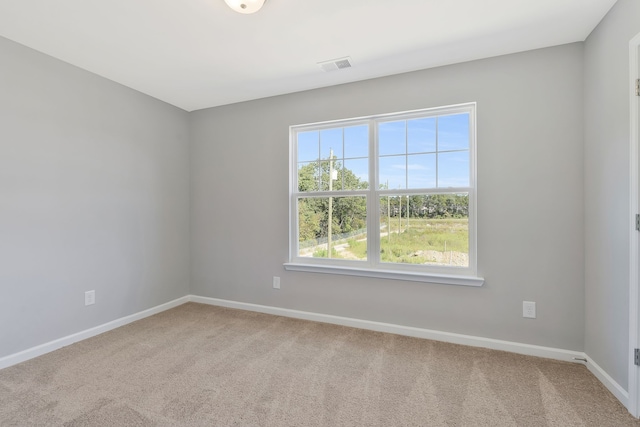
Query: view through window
{"type": "Point", "coordinates": [393, 191]}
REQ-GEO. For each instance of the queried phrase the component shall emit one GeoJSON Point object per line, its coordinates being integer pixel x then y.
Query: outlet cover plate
{"type": "Point", "coordinates": [89, 297]}
{"type": "Point", "coordinates": [276, 282]}
{"type": "Point", "coordinates": [529, 309]}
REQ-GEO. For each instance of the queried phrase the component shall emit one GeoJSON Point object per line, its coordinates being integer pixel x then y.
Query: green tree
{"type": "Point", "coordinates": [349, 213]}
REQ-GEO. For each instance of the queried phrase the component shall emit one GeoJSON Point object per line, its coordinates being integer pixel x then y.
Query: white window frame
{"type": "Point", "coordinates": [372, 267]}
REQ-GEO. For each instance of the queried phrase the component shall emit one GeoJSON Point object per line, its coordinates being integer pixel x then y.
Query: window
{"type": "Point", "coordinates": [386, 196]}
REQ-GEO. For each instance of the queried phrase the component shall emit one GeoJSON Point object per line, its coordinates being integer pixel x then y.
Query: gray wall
{"type": "Point", "coordinates": [530, 211]}
{"type": "Point", "coordinates": [606, 160]}
{"type": "Point", "coordinates": [94, 194]}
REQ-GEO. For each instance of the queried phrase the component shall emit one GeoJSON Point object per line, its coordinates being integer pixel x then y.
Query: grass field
{"type": "Point", "coordinates": [418, 242]}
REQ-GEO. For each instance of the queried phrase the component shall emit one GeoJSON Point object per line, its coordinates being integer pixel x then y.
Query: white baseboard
{"type": "Point", "coordinates": [513, 347]}
{"type": "Point", "coordinates": [616, 389]}
{"type": "Point", "coordinates": [39, 350]}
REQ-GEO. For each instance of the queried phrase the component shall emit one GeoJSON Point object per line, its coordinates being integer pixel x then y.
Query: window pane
{"type": "Point", "coordinates": [355, 174]}
{"type": "Point", "coordinates": [453, 132]}
{"type": "Point", "coordinates": [392, 173]}
{"type": "Point", "coordinates": [425, 229]}
{"type": "Point", "coordinates": [421, 135]}
{"type": "Point", "coordinates": [356, 141]}
{"type": "Point", "coordinates": [331, 139]}
{"type": "Point", "coordinates": [392, 138]}
{"type": "Point", "coordinates": [422, 171]}
{"type": "Point", "coordinates": [453, 169]}
{"type": "Point", "coordinates": [308, 176]}
{"type": "Point", "coordinates": [308, 148]}
{"type": "Point", "coordinates": [348, 219]}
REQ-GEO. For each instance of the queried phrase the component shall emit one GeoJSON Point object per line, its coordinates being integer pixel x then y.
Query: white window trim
{"type": "Point", "coordinates": [443, 279]}
{"type": "Point", "coordinates": [465, 276]}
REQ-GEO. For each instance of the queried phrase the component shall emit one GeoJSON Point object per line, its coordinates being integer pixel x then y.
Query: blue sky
{"type": "Point", "coordinates": [407, 150]}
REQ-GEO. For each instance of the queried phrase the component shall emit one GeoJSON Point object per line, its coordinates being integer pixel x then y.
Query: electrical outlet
{"type": "Point", "coordinates": [529, 309]}
{"type": "Point", "coordinates": [89, 297]}
{"type": "Point", "coordinates": [276, 282]}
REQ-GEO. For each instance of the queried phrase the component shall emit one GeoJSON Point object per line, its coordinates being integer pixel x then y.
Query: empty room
{"type": "Point", "coordinates": [319, 213]}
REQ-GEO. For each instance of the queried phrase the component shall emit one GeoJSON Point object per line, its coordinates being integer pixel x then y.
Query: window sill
{"type": "Point", "coordinates": [444, 279]}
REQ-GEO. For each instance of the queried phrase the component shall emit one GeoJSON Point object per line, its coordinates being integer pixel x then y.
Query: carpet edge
{"type": "Point", "coordinates": [39, 350]}
{"type": "Point", "coordinates": [513, 347]}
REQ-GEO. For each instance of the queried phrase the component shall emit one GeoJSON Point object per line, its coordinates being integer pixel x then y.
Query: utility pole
{"type": "Point", "coordinates": [330, 203]}
{"type": "Point", "coordinates": [388, 215]}
{"type": "Point", "coordinates": [408, 211]}
{"type": "Point", "coordinates": [399, 214]}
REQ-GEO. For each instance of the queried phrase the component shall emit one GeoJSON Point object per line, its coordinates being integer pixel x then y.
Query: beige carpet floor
{"type": "Point", "coordinates": [199, 365]}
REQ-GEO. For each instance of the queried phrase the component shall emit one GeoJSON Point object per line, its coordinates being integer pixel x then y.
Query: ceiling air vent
{"type": "Point", "coordinates": [335, 64]}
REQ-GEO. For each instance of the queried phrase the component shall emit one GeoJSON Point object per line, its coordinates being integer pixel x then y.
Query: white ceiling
{"type": "Point", "coordinates": [199, 53]}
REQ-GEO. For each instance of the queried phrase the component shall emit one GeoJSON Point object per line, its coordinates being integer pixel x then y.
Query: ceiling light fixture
{"type": "Point", "coordinates": [245, 6]}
